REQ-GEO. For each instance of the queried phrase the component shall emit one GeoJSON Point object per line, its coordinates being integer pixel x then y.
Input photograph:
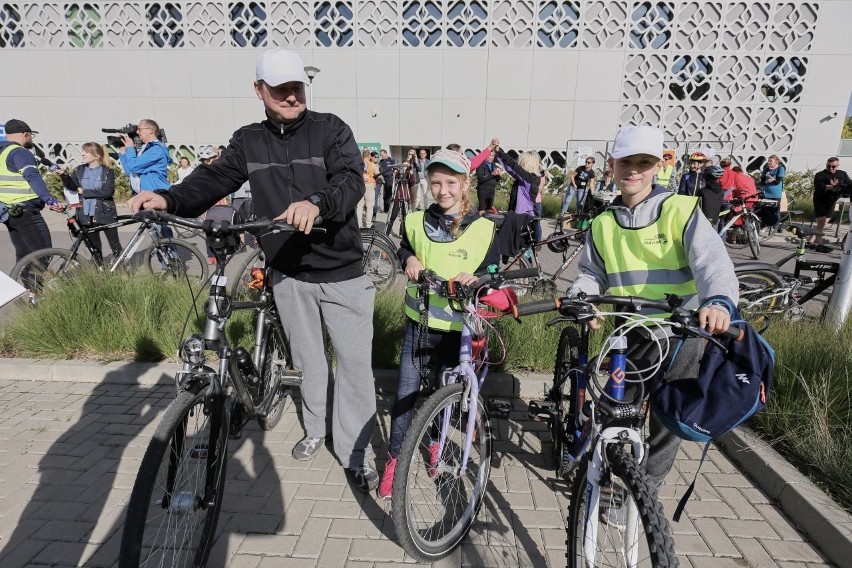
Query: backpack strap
{"type": "Point", "coordinates": [682, 503]}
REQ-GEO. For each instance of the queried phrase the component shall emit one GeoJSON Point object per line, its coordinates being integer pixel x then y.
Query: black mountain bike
{"type": "Point", "coordinates": [177, 497]}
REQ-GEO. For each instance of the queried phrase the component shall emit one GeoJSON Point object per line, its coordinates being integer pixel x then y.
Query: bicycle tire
{"type": "Point", "coordinates": [381, 264]}
{"type": "Point", "coordinates": [419, 480]}
{"type": "Point", "coordinates": [276, 357]}
{"type": "Point", "coordinates": [630, 485]}
{"type": "Point", "coordinates": [561, 423]}
{"type": "Point", "coordinates": [752, 235]}
{"type": "Point", "coordinates": [754, 285]}
{"type": "Point", "coordinates": [524, 286]}
{"type": "Point", "coordinates": [176, 462]}
{"type": "Point", "coordinates": [240, 290]}
{"type": "Point", "coordinates": [176, 259]}
{"type": "Point", "coordinates": [45, 266]}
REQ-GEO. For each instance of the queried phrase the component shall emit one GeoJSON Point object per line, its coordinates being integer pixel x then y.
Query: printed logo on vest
{"type": "Point", "coordinates": [658, 239]}
{"type": "Point", "coordinates": [458, 253]}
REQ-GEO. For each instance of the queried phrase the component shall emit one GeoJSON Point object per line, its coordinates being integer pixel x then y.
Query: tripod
{"type": "Point", "coordinates": [401, 198]}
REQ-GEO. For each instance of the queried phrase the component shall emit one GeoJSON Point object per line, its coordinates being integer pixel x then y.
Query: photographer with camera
{"type": "Point", "coordinates": [23, 193]}
{"type": "Point", "coordinates": [148, 168]}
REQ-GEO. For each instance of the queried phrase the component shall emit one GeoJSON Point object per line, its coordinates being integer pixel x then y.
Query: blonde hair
{"type": "Point", "coordinates": [530, 161]}
{"type": "Point", "coordinates": [98, 150]}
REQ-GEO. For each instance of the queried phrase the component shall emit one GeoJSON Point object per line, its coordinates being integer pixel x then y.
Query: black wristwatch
{"type": "Point", "coordinates": [316, 200]}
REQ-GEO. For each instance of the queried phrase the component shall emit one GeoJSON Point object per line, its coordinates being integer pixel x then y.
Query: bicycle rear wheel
{"type": "Point", "coordinates": [176, 499]}
{"type": "Point", "coordinates": [40, 270]}
{"type": "Point", "coordinates": [380, 261]}
{"type": "Point", "coordinates": [273, 392]}
{"type": "Point", "coordinates": [635, 532]}
{"type": "Point", "coordinates": [434, 505]}
{"type": "Point", "coordinates": [753, 240]}
{"type": "Point", "coordinates": [178, 260]}
{"type": "Point", "coordinates": [736, 238]}
{"type": "Point", "coordinates": [758, 299]}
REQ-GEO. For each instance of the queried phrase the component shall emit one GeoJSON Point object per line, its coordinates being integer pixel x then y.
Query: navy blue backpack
{"type": "Point", "coordinates": [733, 383]}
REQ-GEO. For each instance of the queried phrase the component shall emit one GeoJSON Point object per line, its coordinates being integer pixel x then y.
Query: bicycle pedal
{"type": "Point", "coordinates": [541, 411]}
{"type": "Point", "coordinates": [290, 377]}
{"type": "Point", "coordinates": [499, 408]}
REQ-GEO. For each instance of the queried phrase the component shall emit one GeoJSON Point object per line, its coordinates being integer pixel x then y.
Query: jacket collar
{"type": "Point", "coordinates": [282, 128]}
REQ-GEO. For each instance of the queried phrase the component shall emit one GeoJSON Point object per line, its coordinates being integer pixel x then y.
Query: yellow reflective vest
{"type": "Point", "coordinates": [664, 176]}
{"type": "Point", "coordinates": [13, 187]}
{"type": "Point", "coordinates": [648, 261]}
{"type": "Point", "coordinates": [447, 260]}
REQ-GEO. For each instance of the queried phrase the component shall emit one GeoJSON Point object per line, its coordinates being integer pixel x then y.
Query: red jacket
{"type": "Point", "coordinates": [745, 188]}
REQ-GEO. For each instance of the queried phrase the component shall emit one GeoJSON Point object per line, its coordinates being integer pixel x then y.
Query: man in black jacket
{"type": "Point", "coordinates": [829, 185]}
{"type": "Point", "coordinates": [487, 176]}
{"type": "Point", "coordinates": [304, 164]}
{"type": "Point", "coordinates": [386, 172]}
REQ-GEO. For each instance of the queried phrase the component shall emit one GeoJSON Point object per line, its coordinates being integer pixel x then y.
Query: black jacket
{"type": "Point", "coordinates": [486, 181]}
{"type": "Point", "coordinates": [315, 155]}
{"type": "Point", "coordinates": [105, 211]}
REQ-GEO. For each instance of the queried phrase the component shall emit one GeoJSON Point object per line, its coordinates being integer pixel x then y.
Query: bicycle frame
{"type": "Point", "coordinates": [741, 215]}
{"type": "Point", "coordinates": [473, 384]}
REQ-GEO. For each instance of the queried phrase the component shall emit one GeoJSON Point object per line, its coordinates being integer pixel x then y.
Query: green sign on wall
{"type": "Point", "coordinates": [371, 146]}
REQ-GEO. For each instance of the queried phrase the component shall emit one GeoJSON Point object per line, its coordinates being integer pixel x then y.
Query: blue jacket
{"type": "Point", "coordinates": [772, 190]}
{"type": "Point", "coordinates": [151, 165]}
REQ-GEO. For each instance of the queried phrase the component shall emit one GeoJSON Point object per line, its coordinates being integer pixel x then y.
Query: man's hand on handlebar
{"type": "Point", "coordinates": [714, 319]}
{"type": "Point", "coordinates": [301, 215]}
{"type": "Point", "coordinates": [147, 200]}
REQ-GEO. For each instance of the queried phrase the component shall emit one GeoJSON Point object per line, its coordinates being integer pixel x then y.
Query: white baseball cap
{"type": "Point", "coordinates": [633, 140]}
{"type": "Point", "coordinates": [278, 66]}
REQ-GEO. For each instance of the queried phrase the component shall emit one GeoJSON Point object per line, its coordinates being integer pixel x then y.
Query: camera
{"type": "Point", "coordinates": [130, 130]}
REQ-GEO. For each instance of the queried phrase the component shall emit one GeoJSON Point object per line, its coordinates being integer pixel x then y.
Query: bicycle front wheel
{"type": "Point", "coordinates": [176, 499]}
{"type": "Point", "coordinates": [753, 239]}
{"type": "Point", "coordinates": [380, 261]}
{"type": "Point", "coordinates": [624, 525]}
{"type": "Point", "coordinates": [561, 423]}
{"type": "Point", "coordinates": [272, 395]}
{"type": "Point", "coordinates": [435, 502]}
{"type": "Point", "coordinates": [41, 269]}
{"type": "Point", "coordinates": [178, 260]}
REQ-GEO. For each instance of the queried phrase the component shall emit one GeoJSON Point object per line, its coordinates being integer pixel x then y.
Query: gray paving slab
{"type": "Point", "coordinates": [64, 485]}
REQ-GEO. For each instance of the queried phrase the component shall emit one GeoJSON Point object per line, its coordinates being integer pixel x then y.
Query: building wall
{"type": "Point", "coordinates": [748, 78]}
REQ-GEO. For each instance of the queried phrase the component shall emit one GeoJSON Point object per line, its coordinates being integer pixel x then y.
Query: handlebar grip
{"type": "Point", "coordinates": [147, 215]}
{"type": "Point", "coordinates": [540, 307]}
{"type": "Point", "coordinates": [733, 332]}
{"type": "Point", "coordinates": [520, 273]}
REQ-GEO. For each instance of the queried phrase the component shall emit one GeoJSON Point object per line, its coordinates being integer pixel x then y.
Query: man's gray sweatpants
{"type": "Point", "coordinates": [342, 403]}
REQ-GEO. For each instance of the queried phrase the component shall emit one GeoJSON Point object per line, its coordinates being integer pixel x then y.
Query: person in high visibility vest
{"type": "Point", "coordinates": [651, 242]}
{"type": "Point", "coordinates": [452, 239]}
{"type": "Point", "coordinates": [666, 175]}
{"type": "Point", "coordinates": [23, 193]}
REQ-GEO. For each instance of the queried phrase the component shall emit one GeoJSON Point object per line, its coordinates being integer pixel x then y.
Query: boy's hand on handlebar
{"type": "Point", "coordinates": [147, 200]}
{"type": "Point", "coordinates": [413, 268]}
{"type": "Point", "coordinates": [714, 319]}
{"type": "Point", "coordinates": [466, 279]}
{"type": "Point", "coordinates": [301, 215]}
{"type": "Point", "coordinates": [58, 207]}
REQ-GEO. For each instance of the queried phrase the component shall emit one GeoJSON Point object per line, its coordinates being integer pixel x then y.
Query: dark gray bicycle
{"type": "Point", "coordinates": [177, 497]}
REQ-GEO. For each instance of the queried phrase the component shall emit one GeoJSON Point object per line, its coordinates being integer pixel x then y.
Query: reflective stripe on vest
{"type": "Point", "coordinates": [664, 176]}
{"type": "Point", "coordinates": [447, 259]}
{"type": "Point", "coordinates": [647, 261]}
{"type": "Point", "coordinates": [13, 187]}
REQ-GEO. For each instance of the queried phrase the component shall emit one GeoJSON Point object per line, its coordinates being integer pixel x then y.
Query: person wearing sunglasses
{"type": "Point", "coordinates": [829, 184]}
{"type": "Point", "coordinates": [578, 181]}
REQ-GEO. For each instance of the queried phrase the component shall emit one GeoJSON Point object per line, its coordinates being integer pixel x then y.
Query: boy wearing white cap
{"type": "Point", "coordinates": [649, 243]}
{"type": "Point", "coordinates": [304, 164]}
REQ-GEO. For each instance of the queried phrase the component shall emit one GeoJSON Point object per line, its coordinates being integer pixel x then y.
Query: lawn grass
{"type": "Point", "coordinates": [140, 318]}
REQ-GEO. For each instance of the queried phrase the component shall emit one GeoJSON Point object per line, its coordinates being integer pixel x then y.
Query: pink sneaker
{"type": "Point", "coordinates": [386, 484]}
{"type": "Point", "coordinates": [433, 458]}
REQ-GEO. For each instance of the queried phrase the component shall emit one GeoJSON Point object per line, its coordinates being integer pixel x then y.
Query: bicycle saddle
{"type": "Point", "coordinates": [802, 231]}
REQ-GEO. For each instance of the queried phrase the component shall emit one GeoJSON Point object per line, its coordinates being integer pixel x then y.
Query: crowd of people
{"type": "Point", "coordinates": [304, 164]}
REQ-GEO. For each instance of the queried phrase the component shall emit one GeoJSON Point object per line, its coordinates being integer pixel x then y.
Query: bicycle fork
{"type": "Point", "coordinates": [597, 464]}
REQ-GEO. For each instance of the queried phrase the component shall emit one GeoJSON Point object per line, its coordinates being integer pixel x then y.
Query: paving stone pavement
{"type": "Point", "coordinates": [69, 453]}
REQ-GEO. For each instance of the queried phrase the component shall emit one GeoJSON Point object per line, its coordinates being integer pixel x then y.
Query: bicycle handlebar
{"type": "Point", "coordinates": [211, 227]}
{"type": "Point", "coordinates": [579, 309]}
{"type": "Point", "coordinates": [428, 280]}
